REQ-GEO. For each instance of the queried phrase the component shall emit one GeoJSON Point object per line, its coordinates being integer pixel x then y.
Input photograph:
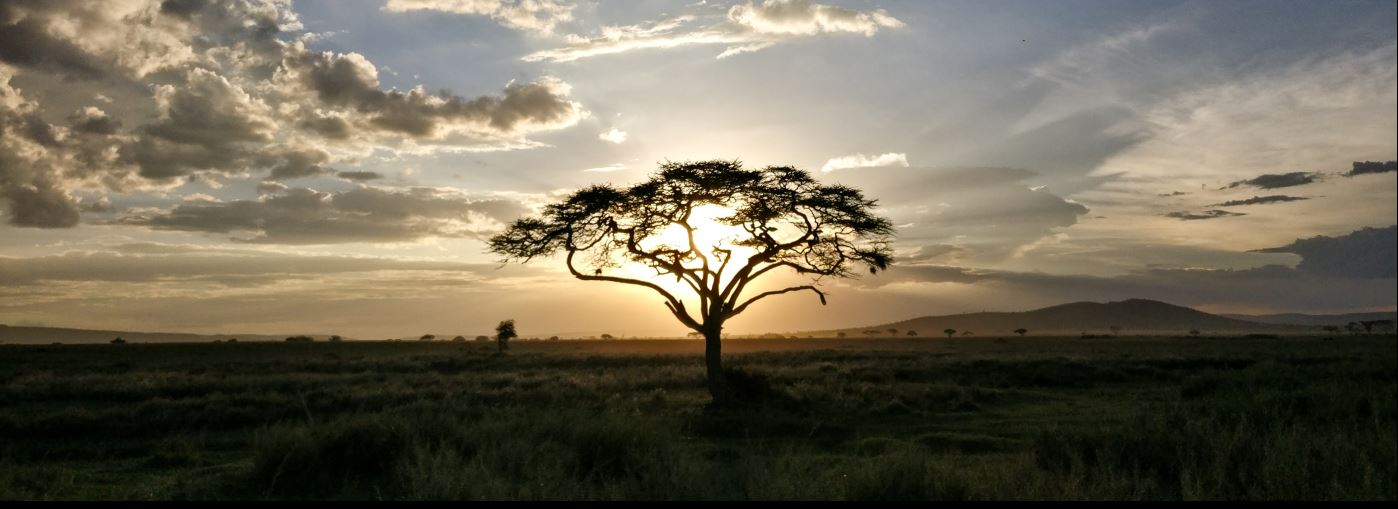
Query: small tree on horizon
{"type": "Point", "coordinates": [504, 332]}
{"type": "Point", "coordinates": [949, 333]}
{"type": "Point", "coordinates": [1021, 331]}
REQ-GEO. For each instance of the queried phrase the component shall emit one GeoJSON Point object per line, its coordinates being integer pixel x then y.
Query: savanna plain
{"type": "Point", "coordinates": [1161, 418]}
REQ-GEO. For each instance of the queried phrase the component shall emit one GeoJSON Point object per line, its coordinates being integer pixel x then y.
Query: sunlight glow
{"type": "Point", "coordinates": [709, 233]}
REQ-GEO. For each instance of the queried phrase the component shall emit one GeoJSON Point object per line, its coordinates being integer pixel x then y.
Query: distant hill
{"type": "Point", "coordinates": [42, 335]}
{"type": "Point", "coordinates": [1134, 316]}
{"type": "Point", "coordinates": [1316, 320]}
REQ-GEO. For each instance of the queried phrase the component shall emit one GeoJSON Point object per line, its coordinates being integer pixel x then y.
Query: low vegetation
{"type": "Point", "coordinates": [891, 418]}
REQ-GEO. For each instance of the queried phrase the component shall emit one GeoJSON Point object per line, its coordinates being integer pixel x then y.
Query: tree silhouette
{"type": "Point", "coordinates": [504, 332]}
{"type": "Point", "coordinates": [780, 219]}
{"type": "Point", "coordinates": [949, 332]}
{"type": "Point", "coordinates": [1021, 331]}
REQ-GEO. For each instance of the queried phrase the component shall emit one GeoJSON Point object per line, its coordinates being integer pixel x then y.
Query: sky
{"type": "Point", "coordinates": [336, 166]}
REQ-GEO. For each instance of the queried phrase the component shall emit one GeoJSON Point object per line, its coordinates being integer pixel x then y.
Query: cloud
{"type": "Point", "coordinates": [152, 263]}
{"type": "Point", "coordinates": [31, 190]}
{"type": "Point", "coordinates": [193, 90]}
{"type": "Point", "coordinates": [1365, 253]}
{"type": "Point", "coordinates": [93, 120]}
{"type": "Point", "coordinates": [613, 135]}
{"type": "Point", "coordinates": [1260, 200]}
{"type": "Point", "coordinates": [989, 213]}
{"type": "Point", "coordinates": [359, 176]}
{"type": "Point", "coordinates": [862, 161]}
{"type": "Point", "coordinates": [1371, 167]}
{"type": "Point", "coordinates": [1276, 181]}
{"type": "Point", "coordinates": [607, 169]}
{"type": "Point", "coordinates": [294, 160]}
{"type": "Point", "coordinates": [1206, 214]}
{"type": "Point", "coordinates": [364, 214]}
{"type": "Point", "coordinates": [537, 16]}
{"type": "Point", "coordinates": [203, 124]}
{"type": "Point", "coordinates": [350, 80]}
{"type": "Point", "coordinates": [744, 28]}
{"type": "Point", "coordinates": [801, 17]}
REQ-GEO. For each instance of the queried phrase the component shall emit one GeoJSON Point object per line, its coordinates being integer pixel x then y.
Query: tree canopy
{"type": "Point", "coordinates": [777, 218]}
{"type": "Point", "coordinates": [789, 219]}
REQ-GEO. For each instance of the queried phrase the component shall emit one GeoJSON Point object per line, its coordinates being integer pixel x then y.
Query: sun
{"type": "Point", "coordinates": [709, 233]}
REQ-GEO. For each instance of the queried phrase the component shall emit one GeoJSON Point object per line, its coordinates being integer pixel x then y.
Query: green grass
{"type": "Point", "coordinates": [1023, 418]}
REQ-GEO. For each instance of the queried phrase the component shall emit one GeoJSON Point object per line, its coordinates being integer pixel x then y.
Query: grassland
{"type": "Point", "coordinates": [979, 418]}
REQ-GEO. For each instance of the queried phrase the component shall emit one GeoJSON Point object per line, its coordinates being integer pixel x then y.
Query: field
{"type": "Point", "coordinates": [978, 418]}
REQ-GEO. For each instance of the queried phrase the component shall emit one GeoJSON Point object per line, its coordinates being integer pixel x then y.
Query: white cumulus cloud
{"type": "Point", "coordinates": [891, 159]}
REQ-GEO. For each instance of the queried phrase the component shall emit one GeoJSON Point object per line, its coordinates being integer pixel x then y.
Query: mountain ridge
{"type": "Point", "coordinates": [1083, 317]}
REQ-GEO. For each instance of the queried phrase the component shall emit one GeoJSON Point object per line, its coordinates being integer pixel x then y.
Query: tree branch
{"type": "Point", "coordinates": [676, 306]}
{"type": "Point", "coordinates": [763, 295]}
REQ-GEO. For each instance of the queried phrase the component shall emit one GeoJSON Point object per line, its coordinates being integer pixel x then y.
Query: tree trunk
{"type": "Point", "coordinates": [713, 361]}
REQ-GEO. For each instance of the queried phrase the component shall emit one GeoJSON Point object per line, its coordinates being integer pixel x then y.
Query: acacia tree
{"type": "Point", "coordinates": [782, 220]}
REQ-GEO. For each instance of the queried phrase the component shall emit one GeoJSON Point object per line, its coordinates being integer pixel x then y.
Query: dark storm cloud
{"type": "Point", "coordinates": [1260, 200]}
{"type": "Point", "coordinates": [1206, 214]}
{"type": "Point", "coordinates": [1275, 181]}
{"type": "Point", "coordinates": [1366, 253]}
{"type": "Point", "coordinates": [1369, 167]}
{"type": "Point", "coordinates": [365, 214]}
